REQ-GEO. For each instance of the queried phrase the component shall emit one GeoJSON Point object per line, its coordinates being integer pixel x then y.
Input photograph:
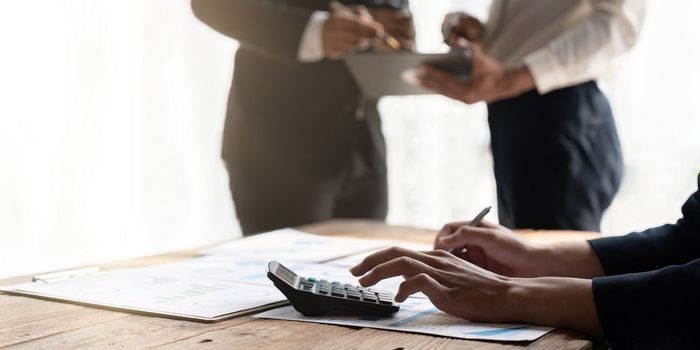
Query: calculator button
{"type": "Point", "coordinates": [321, 291]}
{"type": "Point", "coordinates": [369, 297]}
{"type": "Point", "coordinates": [385, 302]}
{"type": "Point", "coordinates": [353, 297]}
{"type": "Point", "coordinates": [338, 294]}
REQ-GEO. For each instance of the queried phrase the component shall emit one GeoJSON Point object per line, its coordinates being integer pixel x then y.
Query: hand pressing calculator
{"type": "Point", "coordinates": [314, 297]}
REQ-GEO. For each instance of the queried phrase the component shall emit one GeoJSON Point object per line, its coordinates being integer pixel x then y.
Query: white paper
{"type": "Point", "coordinates": [161, 289]}
{"type": "Point", "coordinates": [352, 260]}
{"type": "Point", "coordinates": [224, 268]}
{"type": "Point", "coordinates": [211, 286]}
{"type": "Point", "coordinates": [418, 315]}
{"type": "Point", "coordinates": [293, 245]}
{"type": "Point", "coordinates": [204, 287]}
{"type": "Point", "coordinates": [227, 269]}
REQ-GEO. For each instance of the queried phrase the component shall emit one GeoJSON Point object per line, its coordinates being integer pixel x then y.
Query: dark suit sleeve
{"type": "Point", "coordinates": [269, 27]}
{"type": "Point", "coordinates": [651, 310]}
{"type": "Point", "coordinates": [651, 293]}
{"type": "Point", "coordinates": [654, 248]}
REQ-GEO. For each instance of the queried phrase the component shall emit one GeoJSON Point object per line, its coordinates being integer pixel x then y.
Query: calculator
{"type": "Point", "coordinates": [314, 297]}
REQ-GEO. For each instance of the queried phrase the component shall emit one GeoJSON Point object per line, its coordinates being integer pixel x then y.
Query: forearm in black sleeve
{"type": "Point", "coordinates": [267, 26]}
{"type": "Point", "coordinates": [650, 310]}
{"type": "Point", "coordinates": [654, 248]}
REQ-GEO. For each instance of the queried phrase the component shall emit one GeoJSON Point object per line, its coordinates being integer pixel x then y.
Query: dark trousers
{"type": "Point", "coordinates": [269, 200]}
{"type": "Point", "coordinates": [557, 158]}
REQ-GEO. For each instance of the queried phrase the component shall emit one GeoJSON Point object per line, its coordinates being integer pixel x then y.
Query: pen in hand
{"type": "Point", "coordinates": [475, 222]}
{"type": "Point", "coordinates": [389, 40]}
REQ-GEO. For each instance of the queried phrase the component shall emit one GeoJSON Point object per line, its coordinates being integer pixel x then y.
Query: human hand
{"type": "Point", "coordinates": [344, 33]}
{"type": "Point", "coordinates": [500, 250]}
{"type": "Point", "coordinates": [464, 290]}
{"type": "Point", "coordinates": [453, 285]}
{"type": "Point", "coordinates": [489, 80]}
{"type": "Point", "coordinates": [490, 246]}
{"type": "Point", "coordinates": [461, 25]}
{"type": "Point", "coordinates": [397, 23]}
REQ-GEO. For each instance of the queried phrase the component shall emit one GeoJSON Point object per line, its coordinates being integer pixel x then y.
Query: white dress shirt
{"type": "Point", "coordinates": [311, 44]}
{"type": "Point", "coordinates": [562, 42]}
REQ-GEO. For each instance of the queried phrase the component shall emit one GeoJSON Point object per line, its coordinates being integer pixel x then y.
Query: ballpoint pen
{"type": "Point", "coordinates": [448, 28]}
{"type": "Point", "coordinates": [382, 35]}
{"type": "Point", "coordinates": [475, 222]}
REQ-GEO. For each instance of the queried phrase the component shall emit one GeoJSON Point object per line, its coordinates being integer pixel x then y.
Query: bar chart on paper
{"type": "Point", "coordinates": [418, 315]}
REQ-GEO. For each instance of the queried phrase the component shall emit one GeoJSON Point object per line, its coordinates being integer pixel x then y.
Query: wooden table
{"type": "Point", "coordinates": [34, 323]}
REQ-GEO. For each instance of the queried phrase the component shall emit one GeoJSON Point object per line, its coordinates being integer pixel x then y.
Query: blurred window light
{"type": "Point", "coordinates": [111, 114]}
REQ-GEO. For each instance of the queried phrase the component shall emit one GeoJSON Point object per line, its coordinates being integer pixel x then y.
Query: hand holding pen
{"type": "Point", "coordinates": [496, 248]}
{"type": "Point", "coordinates": [352, 29]}
{"type": "Point", "coordinates": [459, 25]}
{"type": "Point", "coordinates": [447, 237]}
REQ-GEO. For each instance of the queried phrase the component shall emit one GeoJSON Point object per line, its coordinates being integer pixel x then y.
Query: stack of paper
{"type": "Point", "coordinates": [293, 245]}
{"type": "Point", "coordinates": [162, 290]}
{"type": "Point", "coordinates": [228, 283]}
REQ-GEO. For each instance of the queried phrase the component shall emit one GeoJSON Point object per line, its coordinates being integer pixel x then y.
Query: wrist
{"type": "Point", "coordinates": [554, 302]}
{"type": "Point", "coordinates": [539, 257]}
{"type": "Point", "coordinates": [568, 259]}
{"type": "Point", "coordinates": [517, 81]}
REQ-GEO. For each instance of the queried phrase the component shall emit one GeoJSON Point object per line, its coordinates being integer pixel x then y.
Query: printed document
{"type": "Point", "coordinates": [289, 244]}
{"type": "Point", "coordinates": [165, 290]}
{"type": "Point", "coordinates": [418, 315]}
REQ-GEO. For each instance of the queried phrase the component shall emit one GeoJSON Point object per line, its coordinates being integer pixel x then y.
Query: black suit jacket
{"type": "Point", "coordinates": [650, 297]}
{"type": "Point", "coordinates": [283, 115]}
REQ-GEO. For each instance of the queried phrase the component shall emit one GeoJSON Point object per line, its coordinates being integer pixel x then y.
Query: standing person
{"type": "Point", "coordinates": [557, 157]}
{"type": "Point", "coordinates": [301, 143]}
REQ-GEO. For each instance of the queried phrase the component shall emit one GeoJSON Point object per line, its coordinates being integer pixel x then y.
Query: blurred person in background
{"type": "Point", "coordinates": [557, 157]}
{"type": "Point", "coordinates": [301, 143]}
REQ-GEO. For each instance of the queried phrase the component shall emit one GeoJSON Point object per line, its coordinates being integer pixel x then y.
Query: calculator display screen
{"type": "Point", "coordinates": [285, 274]}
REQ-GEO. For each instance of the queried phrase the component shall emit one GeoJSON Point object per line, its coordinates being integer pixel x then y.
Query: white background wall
{"type": "Point", "coordinates": [111, 114]}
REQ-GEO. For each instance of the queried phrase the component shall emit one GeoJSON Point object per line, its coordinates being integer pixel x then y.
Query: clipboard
{"type": "Point", "coordinates": [66, 276]}
{"type": "Point", "coordinates": [381, 74]}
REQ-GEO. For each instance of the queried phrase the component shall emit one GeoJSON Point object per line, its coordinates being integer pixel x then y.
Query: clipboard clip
{"type": "Point", "coordinates": [65, 275]}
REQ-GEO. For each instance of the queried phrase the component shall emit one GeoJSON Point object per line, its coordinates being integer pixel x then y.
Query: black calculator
{"type": "Point", "coordinates": [314, 297]}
